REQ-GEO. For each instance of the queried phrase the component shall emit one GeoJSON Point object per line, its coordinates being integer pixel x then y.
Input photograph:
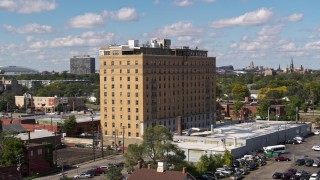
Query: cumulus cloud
{"type": "Point", "coordinates": [27, 6]}
{"type": "Point", "coordinates": [209, 1]}
{"type": "Point", "coordinates": [182, 3]}
{"type": "Point", "coordinates": [87, 21]}
{"type": "Point", "coordinates": [85, 39]}
{"type": "Point", "coordinates": [29, 29]}
{"type": "Point", "coordinates": [181, 28]}
{"type": "Point", "coordinates": [294, 17]}
{"type": "Point", "coordinates": [313, 45]}
{"type": "Point", "coordinates": [258, 17]}
{"type": "Point", "coordinates": [125, 14]}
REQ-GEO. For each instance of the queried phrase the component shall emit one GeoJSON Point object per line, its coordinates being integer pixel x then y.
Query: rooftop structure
{"type": "Point", "coordinates": [82, 65]}
{"type": "Point", "coordinates": [239, 138]}
{"type": "Point", "coordinates": [17, 70]}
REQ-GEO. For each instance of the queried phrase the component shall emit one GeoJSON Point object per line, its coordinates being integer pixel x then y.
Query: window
{"type": "Point", "coordinates": [137, 86]}
{"type": "Point", "coordinates": [129, 110]}
{"type": "Point", "coordinates": [112, 86]}
{"type": "Point", "coordinates": [135, 62]}
{"type": "Point", "coordinates": [112, 101]}
{"type": "Point", "coordinates": [113, 109]}
{"type": "Point", "coordinates": [112, 71]}
{"type": "Point", "coordinates": [129, 117]}
{"type": "Point", "coordinates": [112, 63]}
{"type": "Point", "coordinates": [137, 117]}
{"type": "Point", "coordinates": [128, 63]}
{"type": "Point", "coordinates": [137, 134]}
{"type": "Point", "coordinates": [129, 134]}
{"type": "Point", "coordinates": [137, 94]}
{"type": "Point", "coordinates": [112, 78]}
{"type": "Point", "coordinates": [128, 102]}
{"type": "Point", "coordinates": [120, 78]}
{"type": "Point", "coordinates": [137, 71]}
{"type": "Point", "coordinates": [137, 110]}
{"type": "Point", "coordinates": [120, 71]}
{"type": "Point", "coordinates": [39, 151]}
{"type": "Point", "coordinates": [105, 124]}
{"type": "Point", "coordinates": [112, 94]}
{"type": "Point", "coordinates": [128, 78]}
{"type": "Point", "coordinates": [105, 78]}
{"type": "Point", "coordinates": [128, 94]}
{"type": "Point", "coordinates": [137, 126]}
{"type": "Point", "coordinates": [120, 85]}
{"type": "Point", "coordinates": [137, 102]}
{"type": "Point", "coordinates": [113, 117]}
{"type": "Point", "coordinates": [129, 125]}
{"type": "Point", "coordinates": [137, 79]}
{"type": "Point", "coordinates": [128, 71]}
{"type": "Point", "coordinates": [128, 86]}
{"type": "Point", "coordinates": [104, 63]}
{"type": "Point", "coordinates": [113, 125]}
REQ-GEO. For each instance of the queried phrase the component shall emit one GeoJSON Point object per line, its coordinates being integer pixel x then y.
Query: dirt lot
{"type": "Point", "coordinates": [294, 152]}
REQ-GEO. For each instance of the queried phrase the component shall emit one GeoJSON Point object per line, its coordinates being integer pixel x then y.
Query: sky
{"type": "Point", "coordinates": [45, 34]}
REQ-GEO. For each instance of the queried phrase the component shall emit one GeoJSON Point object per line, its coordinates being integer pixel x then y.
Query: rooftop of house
{"type": "Point", "coordinates": [146, 173]}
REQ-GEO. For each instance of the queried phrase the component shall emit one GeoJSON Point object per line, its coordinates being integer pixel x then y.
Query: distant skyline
{"type": "Point", "coordinates": [45, 34]}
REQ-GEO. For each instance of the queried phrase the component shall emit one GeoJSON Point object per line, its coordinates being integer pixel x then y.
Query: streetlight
{"type": "Point", "coordinates": [92, 115]}
{"type": "Point", "coordinates": [297, 113]}
{"type": "Point", "coordinates": [268, 113]}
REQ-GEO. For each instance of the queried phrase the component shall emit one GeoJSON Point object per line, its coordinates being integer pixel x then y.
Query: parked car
{"type": "Point", "coordinates": [99, 170]}
{"type": "Point", "coordinates": [316, 148]}
{"type": "Point", "coordinates": [80, 145]}
{"type": "Point", "coordinates": [223, 171]}
{"type": "Point", "coordinates": [61, 145]}
{"type": "Point", "coordinates": [309, 162]}
{"type": "Point", "coordinates": [301, 172]}
{"type": "Point", "coordinates": [316, 132]}
{"type": "Point", "coordinates": [314, 176]}
{"type": "Point", "coordinates": [292, 171]}
{"type": "Point", "coordinates": [281, 158]}
{"type": "Point", "coordinates": [277, 175]}
{"type": "Point", "coordinates": [83, 175]}
{"type": "Point", "coordinates": [285, 176]}
{"type": "Point", "coordinates": [316, 163]}
{"type": "Point", "coordinates": [300, 162]}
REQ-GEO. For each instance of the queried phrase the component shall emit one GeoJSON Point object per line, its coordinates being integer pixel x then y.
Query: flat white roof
{"type": "Point", "coordinates": [35, 135]}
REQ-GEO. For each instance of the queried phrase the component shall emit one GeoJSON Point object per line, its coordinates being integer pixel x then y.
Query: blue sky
{"type": "Point", "coordinates": [44, 34]}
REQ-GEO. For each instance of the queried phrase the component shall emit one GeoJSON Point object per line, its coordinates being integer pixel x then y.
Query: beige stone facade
{"type": "Point", "coordinates": [143, 86]}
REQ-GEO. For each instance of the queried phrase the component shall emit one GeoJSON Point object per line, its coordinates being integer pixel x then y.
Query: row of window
{"type": "Point", "coordinates": [121, 117]}
{"type": "Point", "coordinates": [128, 63]}
{"type": "Point", "coordinates": [120, 78]}
{"type": "Point", "coordinates": [158, 62]}
{"type": "Point", "coordinates": [120, 71]}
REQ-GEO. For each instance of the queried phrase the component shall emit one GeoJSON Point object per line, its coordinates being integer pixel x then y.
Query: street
{"type": "Point", "coordinates": [86, 166]}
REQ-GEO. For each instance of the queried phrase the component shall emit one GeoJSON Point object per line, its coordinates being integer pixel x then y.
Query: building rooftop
{"type": "Point", "coordinates": [35, 135]}
{"type": "Point", "coordinates": [145, 173]}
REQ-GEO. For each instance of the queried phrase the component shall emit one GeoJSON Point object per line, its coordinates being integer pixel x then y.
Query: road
{"type": "Point", "coordinates": [86, 166]}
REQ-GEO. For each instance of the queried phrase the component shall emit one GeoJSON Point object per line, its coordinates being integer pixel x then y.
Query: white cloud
{"type": "Point", "coordinates": [85, 39]}
{"type": "Point", "coordinates": [294, 17]}
{"type": "Point", "coordinates": [29, 28]}
{"type": "Point", "coordinates": [87, 21]}
{"type": "Point", "coordinates": [313, 45]}
{"type": "Point", "coordinates": [258, 17]}
{"type": "Point", "coordinates": [125, 14]}
{"type": "Point", "coordinates": [181, 28]}
{"type": "Point", "coordinates": [182, 3]}
{"type": "Point", "coordinates": [27, 6]}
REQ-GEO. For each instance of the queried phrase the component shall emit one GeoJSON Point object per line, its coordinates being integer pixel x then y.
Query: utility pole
{"type": "Point", "coordinates": [123, 127]}
{"type": "Point", "coordinates": [19, 165]}
{"type": "Point", "coordinates": [93, 145]}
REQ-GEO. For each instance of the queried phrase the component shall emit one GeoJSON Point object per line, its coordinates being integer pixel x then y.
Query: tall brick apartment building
{"type": "Point", "coordinates": [153, 84]}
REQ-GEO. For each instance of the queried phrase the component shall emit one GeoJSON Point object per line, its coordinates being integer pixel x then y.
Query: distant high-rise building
{"type": "Point", "coordinates": [82, 65]}
{"type": "Point", "coordinates": [154, 84]}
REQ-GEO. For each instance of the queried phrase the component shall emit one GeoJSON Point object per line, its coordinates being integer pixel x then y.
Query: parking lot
{"type": "Point", "coordinates": [294, 152]}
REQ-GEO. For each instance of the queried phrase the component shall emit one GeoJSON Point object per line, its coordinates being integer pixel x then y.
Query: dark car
{"type": "Point", "coordinates": [285, 176]}
{"type": "Point", "coordinates": [300, 162]}
{"type": "Point", "coordinates": [309, 162]}
{"type": "Point", "coordinates": [281, 158]}
{"type": "Point", "coordinates": [292, 171]}
{"type": "Point", "coordinates": [206, 176]}
{"type": "Point", "coordinates": [252, 166]}
{"type": "Point", "coordinates": [295, 177]}
{"type": "Point", "coordinates": [277, 175]}
{"type": "Point", "coordinates": [236, 164]}
{"type": "Point", "coordinates": [305, 176]}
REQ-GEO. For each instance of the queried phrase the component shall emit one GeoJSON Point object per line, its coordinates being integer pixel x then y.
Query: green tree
{"type": "Point", "coordinates": [69, 124]}
{"type": "Point", "coordinates": [236, 108]}
{"type": "Point", "coordinates": [203, 164]}
{"type": "Point", "coordinates": [240, 91]}
{"type": "Point", "coordinates": [157, 141]}
{"type": "Point", "coordinates": [7, 102]}
{"type": "Point", "coordinates": [113, 173]}
{"type": "Point", "coordinates": [133, 155]}
{"type": "Point", "coordinates": [227, 158]}
{"type": "Point", "coordinates": [263, 108]}
{"type": "Point", "coordinates": [10, 147]}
